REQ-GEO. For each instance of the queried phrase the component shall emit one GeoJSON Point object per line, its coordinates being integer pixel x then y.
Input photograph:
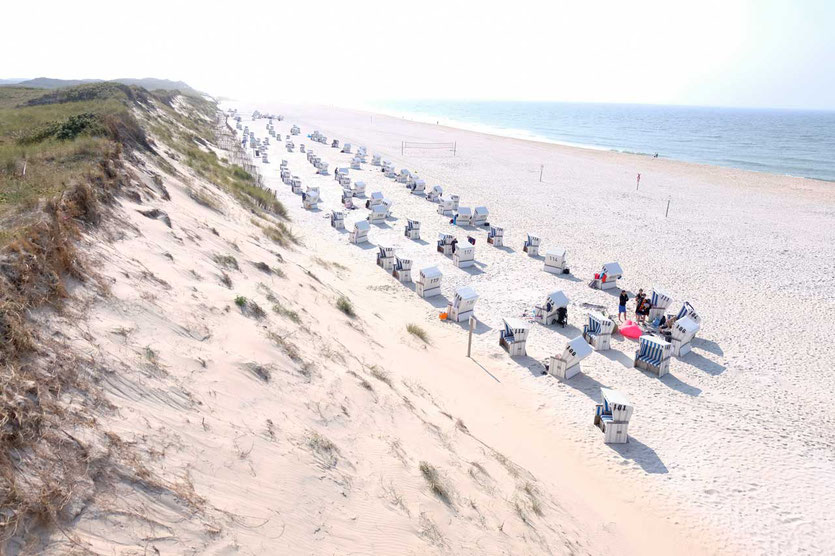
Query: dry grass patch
{"type": "Point", "coordinates": [325, 451]}
{"type": "Point", "coordinates": [344, 304]}
{"type": "Point", "coordinates": [433, 479]}
{"type": "Point", "coordinates": [418, 332]}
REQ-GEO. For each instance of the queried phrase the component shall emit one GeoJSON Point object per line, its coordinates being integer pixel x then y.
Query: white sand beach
{"type": "Point", "coordinates": [733, 447]}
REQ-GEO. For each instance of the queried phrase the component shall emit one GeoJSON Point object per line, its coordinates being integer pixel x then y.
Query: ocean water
{"type": "Point", "coordinates": [791, 142]}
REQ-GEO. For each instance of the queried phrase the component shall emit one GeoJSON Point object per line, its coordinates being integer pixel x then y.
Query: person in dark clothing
{"type": "Point", "coordinates": [624, 297]}
{"type": "Point", "coordinates": [638, 300]}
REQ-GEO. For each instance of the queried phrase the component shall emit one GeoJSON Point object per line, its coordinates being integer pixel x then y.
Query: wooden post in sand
{"type": "Point", "coordinates": [541, 168]}
{"type": "Point", "coordinates": [470, 336]}
{"type": "Point", "coordinates": [668, 207]}
{"type": "Point", "coordinates": [401, 148]}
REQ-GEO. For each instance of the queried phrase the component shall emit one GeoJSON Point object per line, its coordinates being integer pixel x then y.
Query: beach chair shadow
{"type": "Point", "coordinates": [619, 357]}
{"type": "Point", "coordinates": [708, 345]}
{"type": "Point", "coordinates": [473, 270]}
{"type": "Point", "coordinates": [420, 242]}
{"type": "Point", "coordinates": [679, 386]}
{"type": "Point", "coordinates": [569, 277]}
{"type": "Point", "coordinates": [480, 327]}
{"type": "Point", "coordinates": [533, 366]}
{"type": "Point", "coordinates": [569, 331]}
{"type": "Point", "coordinates": [703, 363]}
{"type": "Point", "coordinates": [438, 301]}
{"type": "Point", "coordinates": [643, 455]}
{"type": "Point", "coordinates": [584, 384]}
{"type": "Point", "coordinates": [364, 246]}
{"type": "Point", "coordinates": [506, 249]}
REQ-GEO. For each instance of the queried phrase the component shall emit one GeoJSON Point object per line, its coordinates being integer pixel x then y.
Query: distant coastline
{"type": "Point", "coordinates": [796, 144]}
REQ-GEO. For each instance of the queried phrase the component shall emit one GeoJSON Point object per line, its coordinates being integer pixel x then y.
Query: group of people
{"type": "Point", "coordinates": [642, 306]}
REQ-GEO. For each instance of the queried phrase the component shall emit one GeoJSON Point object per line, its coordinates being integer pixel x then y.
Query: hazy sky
{"type": "Point", "coordinates": [777, 53]}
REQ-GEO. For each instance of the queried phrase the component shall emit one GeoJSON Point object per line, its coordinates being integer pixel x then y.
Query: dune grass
{"type": "Point", "coordinates": [418, 332]}
{"type": "Point", "coordinates": [344, 304]}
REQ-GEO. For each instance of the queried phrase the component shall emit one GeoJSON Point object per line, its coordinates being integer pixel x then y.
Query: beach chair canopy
{"type": "Point", "coordinates": [612, 270]}
{"type": "Point", "coordinates": [532, 240]}
{"type": "Point", "coordinates": [466, 293]}
{"type": "Point", "coordinates": [496, 231]}
{"type": "Point", "coordinates": [430, 272]}
{"type": "Point", "coordinates": [377, 210]}
{"type": "Point", "coordinates": [377, 195]}
{"type": "Point", "coordinates": [685, 329]}
{"type": "Point", "coordinates": [445, 238]}
{"type": "Point", "coordinates": [660, 298]}
{"type": "Point", "coordinates": [412, 224]}
{"type": "Point", "coordinates": [402, 264]}
{"type": "Point", "coordinates": [511, 325]}
{"type": "Point", "coordinates": [438, 189]}
{"type": "Point", "coordinates": [615, 398]}
{"type": "Point", "coordinates": [360, 185]}
{"type": "Point", "coordinates": [465, 211]}
{"type": "Point", "coordinates": [361, 226]}
{"type": "Point", "coordinates": [575, 351]}
{"type": "Point", "coordinates": [386, 251]}
{"type": "Point", "coordinates": [600, 323]}
{"type": "Point", "coordinates": [481, 211]}
{"type": "Point", "coordinates": [687, 310]}
{"type": "Point", "coordinates": [557, 253]}
{"type": "Point", "coordinates": [557, 299]}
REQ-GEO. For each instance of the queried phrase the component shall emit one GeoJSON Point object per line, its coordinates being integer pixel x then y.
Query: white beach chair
{"type": "Point", "coordinates": [554, 310]}
{"type": "Point", "coordinates": [359, 189]}
{"type": "Point", "coordinates": [344, 180]}
{"type": "Point", "coordinates": [464, 217]}
{"type": "Point", "coordinates": [567, 364]}
{"type": "Point", "coordinates": [455, 202]}
{"type": "Point", "coordinates": [347, 199]}
{"type": "Point", "coordinates": [445, 207]}
{"type": "Point", "coordinates": [322, 168]}
{"type": "Point", "coordinates": [653, 355]}
{"type": "Point", "coordinates": [462, 305]}
{"type": "Point", "coordinates": [296, 185]}
{"type": "Point", "coordinates": [338, 173]}
{"type": "Point", "coordinates": [403, 176]}
{"type": "Point", "coordinates": [375, 199]}
{"type": "Point", "coordinates": [402, 269]}
{"type": "Point", "coordinates": [301, 148]}
{"type": "Point", "coordinates": [310, 198]}
{"type": "Point", "coordinates": [377, 214]}
{"type": "Point", "coordinates": [682, 335]}
{"type": "Point", "coordinates": [531, 246]}
{"type": "Point", "coordinates": [514, 336]}
{"type": "Point", "coordinates": [435, 194]}
{"type": "Point", "coordinates": [612, 416]}
{"type": "Point", "coordinates": [555, 262]}
{"type": "Point", "coordinates": [418, 186]}
{"type": "Point", "coordinates": [659, 303]}
{"type": "Point", "coordinates": [464, 255]}
{"type": "Point", "coordinates": [412, 229]}
{"type": "Point", "coordinates": [687, 310]}
{"type": "Point", "coordinates": [265, 159]}
{"type": "Point", "coordinates": [598, 332]}
{"type": "Point", "coordinates": [388, 204]}
{"type": "Point", "coordinates": [295, 130]}
{"type": "Point", "coordinates": [429, 282]}
{"type": "Point", "coordinates": [495, 236]}
{"type": "Point", "coordinates": [390, 171]}
{"type": "Point", "coordinates": [355, 164]}
{"type": "Point", "coordinates": [360, 232]}
{"type": "Point", "coordinates": [375, 160]}
{"type": "Point", "coordinates": [608, 277]}
{"type": "Point", "coordinates": [335, 144]}
{"type": "Point", "coordinates": [445, 243]}
{"type": "Point", "coordinates": [346, 148]}
{"type": "Point", "coordinates": [385, 258]}
{"type": "Point", "coordinates": [338, 220]}
{"type": "Point", "coordinates": [480, 215]}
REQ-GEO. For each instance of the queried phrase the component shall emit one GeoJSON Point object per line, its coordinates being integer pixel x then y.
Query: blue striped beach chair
{"type": "Point", "coordinates": [653, 355]}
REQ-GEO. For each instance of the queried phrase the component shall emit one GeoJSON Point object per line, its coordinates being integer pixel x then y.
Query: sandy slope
{"type": "Point", "coordinates": [303, 431]}
{"type": "Point", "coordinates": [737, 441]}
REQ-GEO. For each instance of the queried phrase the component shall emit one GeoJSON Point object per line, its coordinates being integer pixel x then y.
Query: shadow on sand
{"type": "Point", "coordinates": [506, 249]}
{"type": "Point", "coordinates": [585, 384]}
{"type": "Point", "coordinates": [679, 386]}
{"type": "Point", "coordinates": [701, 362]}
{"type": "Point", "coordinates": [619, 357]}
{"type": "Point", "coordinates": [708, 345]}
{"type": "Point", "coordinates": [640, 453]}
{"type": "Point", "coordinates": [365, 246]}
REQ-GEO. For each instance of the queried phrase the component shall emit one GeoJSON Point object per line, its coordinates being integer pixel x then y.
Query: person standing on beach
{"type": "Point", "coordinates": [624, 297]}
{"type": "Point", "coordinates": [638, 299]}
{"type": "Point", "coordinates": [638, 184]}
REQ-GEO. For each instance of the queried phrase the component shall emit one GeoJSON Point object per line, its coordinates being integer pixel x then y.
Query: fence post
{"type": "Point", "coordinates": [541, 169]}
{"type": "Point", "coordinates": [401, 148]}
{"type": "Point", "coordinates": [454, 148]}
{"type": "Point", "coordinates": [668, 207]}
{"type": "Point", "coordinates": [470, 337]}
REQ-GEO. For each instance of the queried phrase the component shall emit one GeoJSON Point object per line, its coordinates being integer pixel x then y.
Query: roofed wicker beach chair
{"type": "Point", "coordinates": [402, 269]}
{"type": "Point", "coordinates": [335, 144]}
{"type": "Point", "coordinates": [531, 246]}
{"type": "Point", "coordinates": [555, 262]}
{"type": "Point", "coordinates": [295, 130]}
{"type": "Point", "coordinates": [464, 217]}
{"type": "Point", "coordinates": [359, 189]}
{"type": "Point", "coordinates": [554, 310]}
{"type": "Point", "coordinates": [682, 335]}
{"type": "Point", "coordinates": [296, 185]}
{"type": "Point", "coordinates": [514, 336]}
{"type": "Point", "coordinates": [612, 416]}
{"type": "Point", "coordinates": [598, 331]}
{"type": "Point", "coordinates": [435, 194]}
{"type": "Point", "coordinates": [355, 164]}
{"type": "Point", "coordinates": [462, 305]}
{"type": "Point", "coordinates": [429, 282]}
{"type": "Point", "coordinates": [418, 186]}
{"type": "Point", "coordinates": [445, 242]}
{"type": "Point", "coordinates": [338, 220]}
{"type": "Point", "coordinates": [412, 229]}
{"type": "Point", "coordinates": [403, 176]}
{"type": "Point", "coordinates": [375, 199]}
{"type": "Point", "coordinates": [608, 277]}
{"type": "Point", "coordinates": [445, 207]}
{"type": "Point", "coordinates": [567, 364]}
{"type": "Point", "coordinates": [495, 236]}
{"type": "Point", "coordinates": [464, 255]}
{"type": "Point", "coordinates": [360, 232]}
{"type": "Point", "coordinates": [653, 355]}
{"type": "Point", "coordinates": [659, 303]}
{"type": "Point", "coordinates": [310, 198]}
{"type": "Point", "coordinates": [378, 214]}
{"type": "Point", "coordinates": [480, 215]}
{"type": "Point", "coordinates": [347, 199]}
{"type": "Point", "coordinates": [385, 258]}
{"type": "Point", "coordinates": [346, 148]}
{"type": "Point", "coordinates": [375, 160]}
